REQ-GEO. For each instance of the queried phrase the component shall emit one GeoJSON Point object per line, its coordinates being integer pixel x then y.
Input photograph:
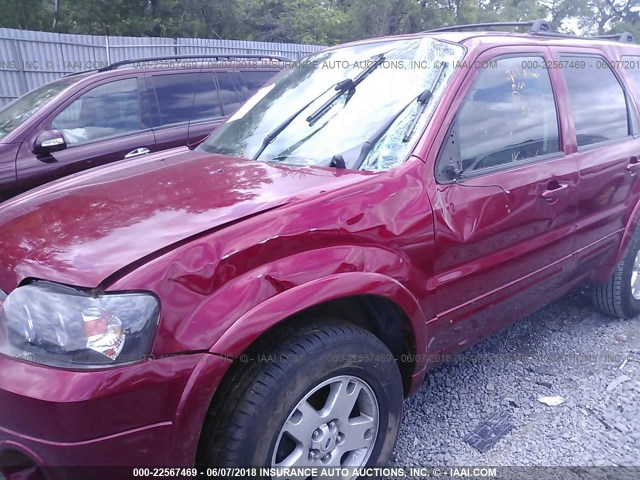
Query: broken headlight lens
{"type": "Point", "coordinates": [52, 324]}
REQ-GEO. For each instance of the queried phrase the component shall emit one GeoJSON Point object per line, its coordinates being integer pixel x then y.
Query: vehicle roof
{"type": "Point", "coordinates": [490, 39]}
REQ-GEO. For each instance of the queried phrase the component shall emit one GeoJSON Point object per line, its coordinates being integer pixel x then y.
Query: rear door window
{"type": "Point", "coordinates": [597, 100]}
{"type": "Point", "coordinates": [108, 110]}
{"type": "Point", "coordinates": [240, 85]}
{"type": "Point", "coordinates": [184, 97]}
{"type": "Point", "coordinates": [508, 116]}
{"type": "Point", "coordinates": [230, 96]}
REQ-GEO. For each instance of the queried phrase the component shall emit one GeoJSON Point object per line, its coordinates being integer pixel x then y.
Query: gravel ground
{"type": "Point", "coordinates": [566, 349]}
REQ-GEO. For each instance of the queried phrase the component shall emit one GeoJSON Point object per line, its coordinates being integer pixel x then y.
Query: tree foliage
{"type": "Point", "coordinates": [306, 21]}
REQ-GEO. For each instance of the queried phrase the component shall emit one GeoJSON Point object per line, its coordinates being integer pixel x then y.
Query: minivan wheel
{"type": "Point", "coordinates": [620, 296]}
{"type": "Point", "coordinates": [326, 395]}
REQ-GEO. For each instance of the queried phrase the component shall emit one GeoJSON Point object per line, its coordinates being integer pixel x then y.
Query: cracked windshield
{"type": "Point", "coordinates": [359, 107]}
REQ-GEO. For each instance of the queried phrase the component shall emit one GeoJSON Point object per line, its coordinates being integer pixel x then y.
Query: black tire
{"type": "Point", "coordinates": [243, 427]}
{"type": "Point", "coordinates": [615, 298]}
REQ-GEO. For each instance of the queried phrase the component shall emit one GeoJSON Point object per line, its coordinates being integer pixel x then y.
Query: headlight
{"type": "Point", "coordinates": [57, 325]}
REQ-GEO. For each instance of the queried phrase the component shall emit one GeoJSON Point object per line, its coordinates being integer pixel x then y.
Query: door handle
{"type": "Point", "coordinates": [554, 189]}
{"type": "Point", "coordinates": [633, 166]}
{"type": "Point", "coordinates": [137, 152]}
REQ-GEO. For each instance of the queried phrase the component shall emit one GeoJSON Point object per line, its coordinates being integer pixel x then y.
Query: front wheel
{"type": "Point", "coordinates": [327, 395]}
{"type": "Point", "coordinates": [620, 296]}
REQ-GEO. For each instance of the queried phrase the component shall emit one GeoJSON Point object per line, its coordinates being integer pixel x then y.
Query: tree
{"type": "Point", "coordinates": [27, 14]}
{"type": "Point", "coordinates": [602, 15]}
{"type": "Point", "coordinates": [510, 11]}
{"type": "Point", "coordinates": [307, 21]}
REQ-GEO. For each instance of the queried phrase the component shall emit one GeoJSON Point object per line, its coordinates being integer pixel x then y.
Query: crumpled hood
{"type": "Point", "coordinates": [84, 228]}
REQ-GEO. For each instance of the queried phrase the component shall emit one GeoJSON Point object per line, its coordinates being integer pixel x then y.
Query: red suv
{"type": "Point", "coordinates": [128, 109]}
{"type": "Point", "coordinates": [269, 298]}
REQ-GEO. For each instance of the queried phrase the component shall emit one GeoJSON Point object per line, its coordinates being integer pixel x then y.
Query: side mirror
{"type": "Point", "coordinates": [452, 171]}
{"type": "Point", "coordinates": [48, 142]}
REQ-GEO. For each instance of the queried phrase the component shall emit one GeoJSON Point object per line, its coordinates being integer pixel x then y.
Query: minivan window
{"type": "Point", "coordinates": [240, 84]}
{"type": "Point", "coordinates": [107, 110]}
{"type": "Point", "coordinates": [186, 96]}
{"type": "Point", "coordinates": [17, 112]}
{"type": "Point", "coordinates": [384, 108]}
{"type": "Point", "coordinates": [256, 79]}
{"type": "Point", "coordinates": [597, 100]}
{"type": "Point", "coordinates": [509, 115]}
{"type": "Point", "coordinates": [228, 93]}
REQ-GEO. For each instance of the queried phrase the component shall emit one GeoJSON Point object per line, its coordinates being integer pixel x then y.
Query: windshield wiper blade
{"type": "Point", "coordinates": [423, 105]}
{"type": "Point", "coordinates": [422, 99]}
{"type": "Point", "coordinates": [271, 136]}
{"type": "Point", "coordinates": [347, 85]}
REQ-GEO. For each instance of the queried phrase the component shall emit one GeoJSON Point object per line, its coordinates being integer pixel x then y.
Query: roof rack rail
{"type": "Point", "coordinates": [625, 37]}
{"type": "Point", "coordinates": [536, 26]}
{"type": "Point", "coordinates": [224, 56]}
{"type": "Point", "coordinates": [229, 56]}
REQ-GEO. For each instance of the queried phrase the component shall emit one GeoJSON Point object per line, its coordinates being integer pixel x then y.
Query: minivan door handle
{"type": "Point", "coordinates": [137, 152]}
{"type": "Point", "coordinates": [634, 165]}
{"type": "Point", "coordinates": [553, 190]}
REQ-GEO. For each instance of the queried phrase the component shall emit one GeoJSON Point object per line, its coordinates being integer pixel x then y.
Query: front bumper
{"type": "Point", "coordinates": [148, 414]}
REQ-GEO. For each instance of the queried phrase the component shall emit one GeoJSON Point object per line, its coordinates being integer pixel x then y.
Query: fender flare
{"type": "Point", "coordinates": [244, 331]}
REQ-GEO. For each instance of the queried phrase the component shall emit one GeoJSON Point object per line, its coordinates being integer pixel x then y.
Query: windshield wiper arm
{"type": "Point", "coordinates": [271, 136]}
{"type": "Point", "coordinates": [422, 99]}
{"type": "Point", "coordinates": [347, 85]}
